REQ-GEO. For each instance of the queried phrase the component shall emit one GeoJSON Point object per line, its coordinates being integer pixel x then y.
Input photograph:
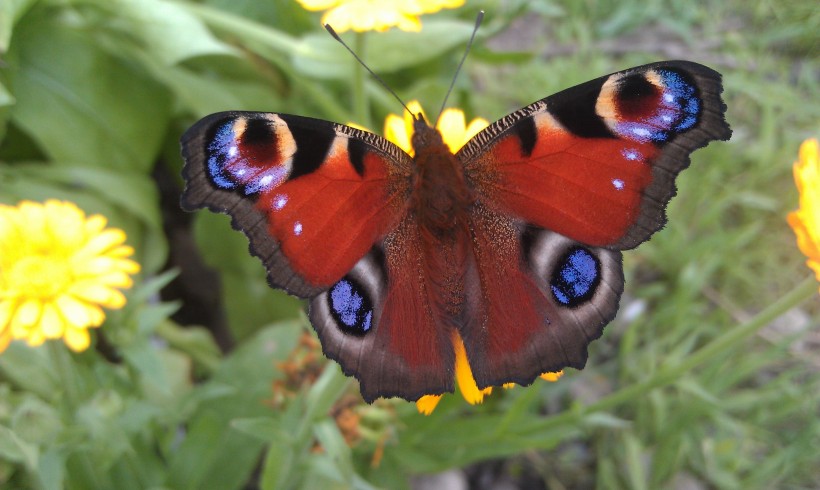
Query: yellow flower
{"type": "Point", "coordinates": [452, 126]}
{"type": "Point", "coordinates": [466, 383]}
{"type": "Point", "coordinates": [806, 220]}
{"type": "Point", "coordinates": [57, 269]}
{"type": "Point", "coordinates": [376, 15]}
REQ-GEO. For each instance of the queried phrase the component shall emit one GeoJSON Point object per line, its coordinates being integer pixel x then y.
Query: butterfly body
{"type": "Point", "coordinates": [511, 245]}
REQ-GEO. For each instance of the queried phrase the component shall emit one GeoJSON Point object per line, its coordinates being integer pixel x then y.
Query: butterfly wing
{"type": "Point", "coordinates": [324, 208]}
{"type": "Point", "coordinates": [312, 196]}
{"type": "Point", "coordinates": [570, 180]}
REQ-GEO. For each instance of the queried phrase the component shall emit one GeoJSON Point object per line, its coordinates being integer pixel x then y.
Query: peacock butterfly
{"type": "Point", "coordinates": [514, 242]}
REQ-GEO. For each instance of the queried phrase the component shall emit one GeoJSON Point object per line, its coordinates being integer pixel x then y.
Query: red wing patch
{"type": "Point", "coordinates": [312, 196]}
{"type": "Point", "coordinates": [587, 190]}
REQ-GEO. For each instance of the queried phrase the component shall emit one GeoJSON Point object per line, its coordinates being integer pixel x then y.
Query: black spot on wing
{"type": "Point", "coordinates": [636, 86]}
{"type": "Point", "coordinates": [312, 145]}
{"type": "Point", "coordinates": [574, 108]}
{"type": "Point", "coordinates": [527, 135]}
{"type": "Point", "coordinates": [258, 132]}
{"type": "Point", "coordinates": [355, 152]}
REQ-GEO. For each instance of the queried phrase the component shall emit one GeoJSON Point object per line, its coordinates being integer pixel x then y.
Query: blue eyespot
{"type": "Point", "coordinates": [576, 277]}
{"type": "Point", "coordinates": [350, 307]}
{"type": "Point", "coordinates": [676, 110]}
{"type": "Point", "coordinates": [233, 162]}
{"type": "Point", "coordinates": [221, 150]}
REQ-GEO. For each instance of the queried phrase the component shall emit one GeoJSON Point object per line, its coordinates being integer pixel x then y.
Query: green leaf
{"type": "Point", "coordinates": [10, 12]}
{"type": "Point", "coordinates": [268, 429]}
{"type": "Point", "coordinates": [167, 31]}
{"type": "Point", "coordinates": [14, 448]}
{"type": "Point", "coordinates": [51, 469]}
{"type": "Point", "coordinates": [320, 56]}
{"type": "Point", "coordinates": [30, 369]}
{"type": "Point", "coordinates": [116, 118]}
{"type": "Point", "coordinates": [193, 341]}
{"type": "Point", "coordinates": [198, 461]}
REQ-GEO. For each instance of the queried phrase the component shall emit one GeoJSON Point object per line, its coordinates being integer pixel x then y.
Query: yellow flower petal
{"type": "Point", "coordinates": [92, 292]}
{"type": "Point", "coordinates": [318, 4]}
{"type": "Point", "coordinates": [395, 131]}
{"type": "Point", "coordinates": [51, 323]}
{"type": "Point", "coordinates": [77, 339]}
{"type": "Point", "coordinates": [552, 376]}
{"type": "Point", "coordinates": [464, 375]}
{"type": "Point", "coordinates": [73, 311]}
{"type": "Point", "coordinates": [451, 125]}
{"type": "Point", "coordinates": [102, 242]}
{"type": "Point", "coordinates": [376, 15]}
{"type": "Point", "coordinates": [28, 313]}
{"type": "Point", "coordinates": [57, 269]}
{"type": "Point", "coordinates": [426, 404]}
{"type": "Point", "coordinates": [7, 308]}
{"type": "Point", "coordinates": [806, 220]}
{"type": "Point", "coordinates": [5, 339]}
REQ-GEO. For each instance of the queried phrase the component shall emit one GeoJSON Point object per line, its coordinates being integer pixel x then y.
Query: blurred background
{"type": "Point", "coordinates": [207, 378]}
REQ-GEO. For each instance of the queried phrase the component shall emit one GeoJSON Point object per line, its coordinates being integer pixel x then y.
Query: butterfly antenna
{"type": "Point", "coordinates": [478, 20]}
{"type": "Point", "coordinates": [384, 84]}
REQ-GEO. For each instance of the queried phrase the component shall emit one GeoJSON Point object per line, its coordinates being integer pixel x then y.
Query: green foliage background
{"type": "Point", "coordinates": [708, 376]}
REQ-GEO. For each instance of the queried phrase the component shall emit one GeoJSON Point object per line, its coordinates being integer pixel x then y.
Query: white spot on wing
{"type": "Point", "coordinates": [297, 228]}
{"type": "Point", "coordinates": [265, 181]}
{"type": "Point", "coordinates": [618, 184]}
{"type": "Point", "coordinates": [279, 202]}
{"type": "Point", "coordinates": [642, 132]}
{"type": "Point", "coordinates": [631, 154]}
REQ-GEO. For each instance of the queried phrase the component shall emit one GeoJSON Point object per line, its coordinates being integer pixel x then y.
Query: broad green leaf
{"type": "Point", "coordinates": [320, 56]}
{"type": "Point", "coordinates": [168, 32]}
{"type": "Point", "coordinates": [268, 429]}
{"type": "Point", "coordinates": [81, 104]}
{"type": "Point", "coordinates": [204, 94]}
{"type": "Point", "coordinates": [14, 448]}
{"type": "Point", "coordinates": [30, 369]}
{"type": "Point", "coordinates": [10, 12]}
{"type": "Point", "coordinates": [51, 469]}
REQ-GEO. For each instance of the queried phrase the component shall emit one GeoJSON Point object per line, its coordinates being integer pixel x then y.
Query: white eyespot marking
{"type": "Point", "coordinates": [642, 132]}
{"type": "Point", "coordinates": [618, 184]}
{"type": "Point", "coordinates": [667, 97]}
{"type": "Point", "coordinates": [279, 202]}
{"type": "Point", "coordinates": [297, 228]}
{"type": "Point", "coordinates": [631, 154]}
{"type": "Point", "coordinates": [265, 181]}
{"type": "Point", "coordinates": [233, 151]}
{"type": "Point", "coordinates": [666, 119]}
{"type": "Point", "coordinates": [242, 171]}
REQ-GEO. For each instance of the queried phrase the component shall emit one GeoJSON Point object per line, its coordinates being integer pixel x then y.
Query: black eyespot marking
{"type": "Point", "coordinates": [258, 132]}
{"type": "Point", "coordinates": [636, 87]}
{"type": "Point", "coordinates": [351, 307]}
{"type": "Point", "coordinates": [576, 277]}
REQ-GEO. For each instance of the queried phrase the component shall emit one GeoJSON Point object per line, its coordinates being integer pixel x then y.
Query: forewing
{"type": "Point", "coordinates": [312, 196]}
